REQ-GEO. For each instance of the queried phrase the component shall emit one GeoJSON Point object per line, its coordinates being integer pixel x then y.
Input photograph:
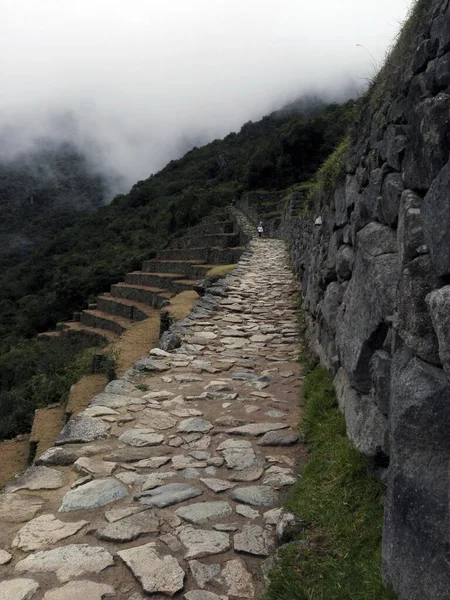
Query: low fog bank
{"type": "Point", "coordinates": [134, 85]}
{"type": "Point", "coordinates": [123, 150]}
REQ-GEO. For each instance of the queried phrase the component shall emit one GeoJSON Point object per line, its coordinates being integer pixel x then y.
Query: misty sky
{"type": "Point", "coordinates": [143, 80]}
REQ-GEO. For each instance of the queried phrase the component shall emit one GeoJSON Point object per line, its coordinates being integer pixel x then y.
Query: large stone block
{"type": "Point", "coordinates": [380, 370]}
{"type": "Point", "coordinates": [389, 202]}
{"type": "Point", "coordinates": [394, 145]}
{"type": "Point", "coordinates": [409, 232]}
{"type": "Point", "coordinates": [428, 147]}
{"type": "Point", "coordinates": [414, 323]}
{"type": "Point", "coordinates": [415, 540]}
{"type": "Point", "coordinates": [344, 262]}
{"type": "Point", "coordinates": [366, 426]}
{"type": "Point", "coordinates": [331, 303]}
{"type": "Point", "coordinates": [436, 221]}
{"type": "Point", "coordinates": [438, 303]}
{"type": "Point", "coordinates": [368, 300]}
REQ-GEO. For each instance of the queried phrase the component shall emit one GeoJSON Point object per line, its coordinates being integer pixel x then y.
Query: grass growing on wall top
{"type": "Point", "coordinates": [329, 174]}
{"type": "Point", "coordinates": [342, 511]}
{"type": "Point", "coordinates": [407, 40]}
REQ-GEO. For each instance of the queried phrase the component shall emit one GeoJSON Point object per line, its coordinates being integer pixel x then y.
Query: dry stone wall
{"type": "Point", "coordinates": [373, 260]}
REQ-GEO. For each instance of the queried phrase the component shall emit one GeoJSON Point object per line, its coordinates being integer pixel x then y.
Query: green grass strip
{"type": "Point", "coordinates": [341, 508]}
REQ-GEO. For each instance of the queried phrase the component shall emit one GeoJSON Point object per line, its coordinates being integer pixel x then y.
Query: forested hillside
{"type": "Point", "coordinates": [78, 258]}
{"type": "Point", "coordinates": [44, 190]}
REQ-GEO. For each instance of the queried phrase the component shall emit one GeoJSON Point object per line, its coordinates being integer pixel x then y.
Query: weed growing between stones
{"type": "Point", "coordinates": [337, 553]}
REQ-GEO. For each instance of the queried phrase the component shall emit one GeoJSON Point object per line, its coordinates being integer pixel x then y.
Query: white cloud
{"type": "Point", "coordinates": [141, 75]}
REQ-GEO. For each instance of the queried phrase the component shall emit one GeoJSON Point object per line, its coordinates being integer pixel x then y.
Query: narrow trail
{"type": "Point", "coordinates": [170, 483]}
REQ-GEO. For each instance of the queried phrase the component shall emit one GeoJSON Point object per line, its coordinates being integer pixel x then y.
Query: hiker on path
{"type": "Point", "coordinates": [260, 229]}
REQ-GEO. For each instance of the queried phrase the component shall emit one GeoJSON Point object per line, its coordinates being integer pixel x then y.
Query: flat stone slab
{"type": "Point", "coordinates": [156, 574]}
{"type": "Point", "coordinates": [202, 542]}
{"type": "Point", "coordinates": [93, 495]}
{"type": "Point", "coordinates": [278, 438]}
{"type": "Point", "coordinates": [153, 463]}
{"type": "Point", "coordinates": [98, 411]}
{"type": "Point", "coordinates": [227, 444]}
{"type": "Point", "coordinates": [156, 419]}
{"type": "Point", "coordinates": [17, 508]}
{"type": "Point", "coordinates": [242, 459]}
{"type": "Point", "coordinates": [156, 479]}
{"type": "Point", "coordinates": [74, 590]}
{"type": "Point", "coordinates": [194, 425]}
{"type": "Point", "coordinates": [275, 414]}
{"type": "Point", "coordinates": [94, 467]}
{"type": "Point", "coordinates": [204, 512]}
{"type": "Point", "coordinates": [18, 589]}
{"type": "Point", "coordinates": [133, 453]}
{"type": "Point", "coordinates": [82, 430]}
{"type": "Point", "coordinates": [141, 437]}
{"type": "Point", "coordinates": [204, 573]}
{"type": "Point", "coordinates": [5, 557]}
{"type": "Point", "coordinates": [278, 477]}
{"type": "Point", "coordinates": [186, 412]}
{"type": "Point", "coordinates": [44, 531]}
{"type": "Point", "coordinates": [237, 579]}
{"type": "Point", "coordinates": [129, 528]}
{"type": "Point", "coordinates": [203, 595]}
{"type": "Point", "coordinates": [38, 478]}
{"type": "Point", "coordinates": [256, 428]}
{"type": "Point", "coordinates": [255, 495]}
{"type": "Point", "coordinates": [254, 540]}
{"type": "Point", "coordinates": [247, 511]}
{"type": "Point", "coordinates": [218, 485]}
{"type": "Point", "coordinates": [148, 365]}
{"type": "Point", "coordinates": [180, 461]}
{"type": "Point", "coordinates": [115, 400]}
{"type": "Point", "coordinates": [67, 562]}
{"type": "Point", "coordinates": [247, 475]}
{"type": "Point", "coordinates": [166, 495]}
{"type": "Point", "coordinates": [56, 457]}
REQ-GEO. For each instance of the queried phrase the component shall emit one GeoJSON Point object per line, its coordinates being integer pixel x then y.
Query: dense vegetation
{"type": "Point", "coordinates": [76, 256]}
{"type": "Point", "coordinates": [43, 190]}
{"type": "Point", "coordinates": [35, 374]}
{"type": "Point", "coordinates": [338, 554]}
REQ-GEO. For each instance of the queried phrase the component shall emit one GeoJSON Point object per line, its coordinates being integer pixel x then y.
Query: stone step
{"type": "Point", "coordinates": [130, 309]}
{"type": "Point", "coordinates": [176, 284]}
{"type": "Point", "coordinates": [213, 227]}
{"type": "Point", "coordinates": [185, 268]}
{"type": "Point", "coordinates": [216, 255]}
{"type": "Point", "coordinates": [102, 320]}
{"type": "Point", "coordinates": [225, 256]}
{"type": "Point", "coordinates": [75, 328]}
{"type": "Point", "coordinates": [152, 296]}
{"type": "Point", "coordinates": [222, 240]}
{"type": "Point", "coordinates": [194, 254]}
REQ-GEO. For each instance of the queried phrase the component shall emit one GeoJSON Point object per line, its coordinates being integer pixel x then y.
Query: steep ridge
{"type": "Point", "coordinates": [173, 490]}
{"type": "Point", "coordinates": [371, 249]}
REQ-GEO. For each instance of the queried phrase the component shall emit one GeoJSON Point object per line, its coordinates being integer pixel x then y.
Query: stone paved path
{"type": "Point", "coordinates": [170, 483]}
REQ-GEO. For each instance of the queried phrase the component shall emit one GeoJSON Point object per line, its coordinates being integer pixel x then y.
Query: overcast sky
{"type": "Point", "coordinates": [145, 79]}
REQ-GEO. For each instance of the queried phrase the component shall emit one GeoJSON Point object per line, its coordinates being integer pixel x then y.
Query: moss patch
{"type": "Point", "coordinates": [341, 509]}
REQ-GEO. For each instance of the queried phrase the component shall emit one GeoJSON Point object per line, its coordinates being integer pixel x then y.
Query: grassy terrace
{"type": "Point", "coordinates": [341, 509]}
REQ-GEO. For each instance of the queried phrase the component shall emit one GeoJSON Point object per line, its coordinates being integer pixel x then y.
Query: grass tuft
{"type": "Point", "coordinates": [341, 507]}
{"type": "Point", "coordinates": [220, 271]}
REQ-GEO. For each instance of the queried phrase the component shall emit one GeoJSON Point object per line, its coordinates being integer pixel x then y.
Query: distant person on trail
{"type": "Point", "coordinates": [260, 229]}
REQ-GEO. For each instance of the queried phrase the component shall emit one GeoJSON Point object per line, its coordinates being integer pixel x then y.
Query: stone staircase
{"type": "Point", "coordinates": [218, 240]}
